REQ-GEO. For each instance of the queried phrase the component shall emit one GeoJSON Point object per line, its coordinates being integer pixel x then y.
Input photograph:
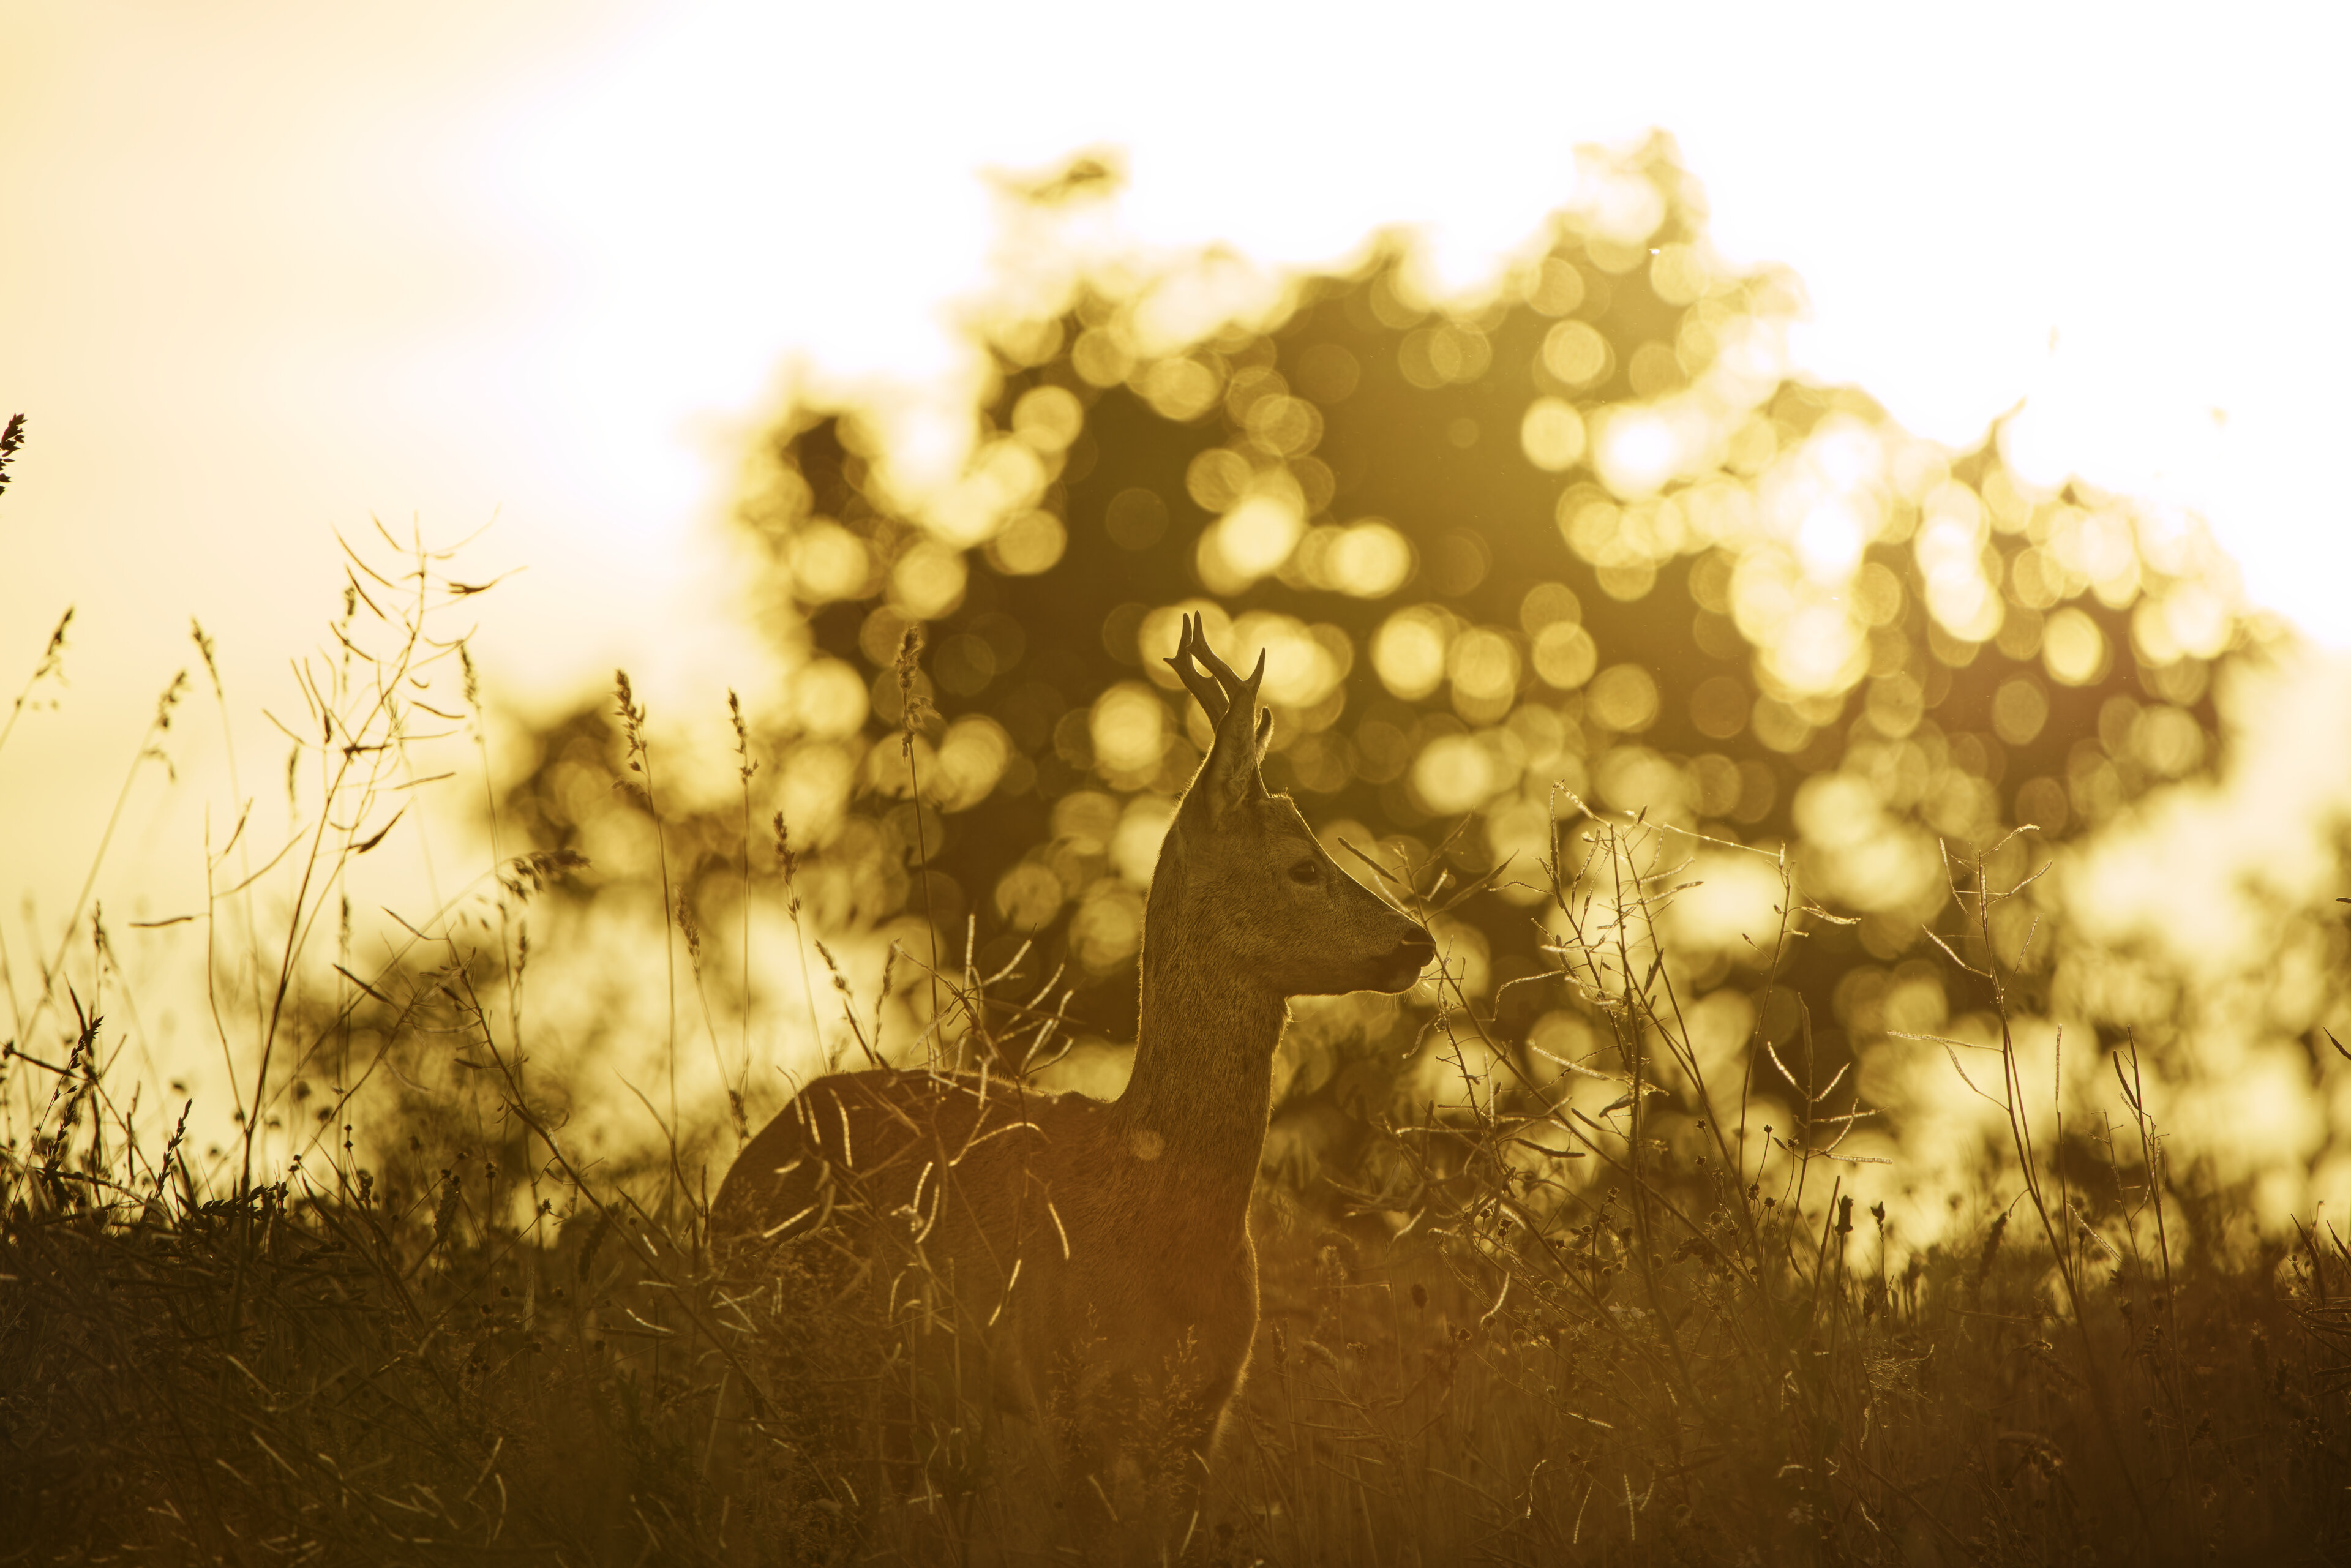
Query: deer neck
{"type": "Point", "coordinates": [1202, 1088]}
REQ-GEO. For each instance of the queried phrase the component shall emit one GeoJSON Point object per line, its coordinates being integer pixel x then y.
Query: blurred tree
{"type": "Point", "coordinates": [1582, 528]}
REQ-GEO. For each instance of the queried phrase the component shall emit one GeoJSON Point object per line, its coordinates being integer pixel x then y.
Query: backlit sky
{"type": "Point", "coordinates": [268, 269]}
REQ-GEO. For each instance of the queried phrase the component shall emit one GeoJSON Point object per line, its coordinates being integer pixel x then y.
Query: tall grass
{"type": "Point", "coordinates": [399, 1325]}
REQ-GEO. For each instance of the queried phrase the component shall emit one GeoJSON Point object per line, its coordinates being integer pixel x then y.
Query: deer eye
{"type": "Point", "coordinates": [1306, 872]}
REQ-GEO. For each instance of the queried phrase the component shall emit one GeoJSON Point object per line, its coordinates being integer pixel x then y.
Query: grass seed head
{"type": "Point", "coordinates": [12, 441]}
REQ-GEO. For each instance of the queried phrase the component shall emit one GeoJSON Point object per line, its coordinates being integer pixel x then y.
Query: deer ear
{"type": "Point", "coordinates": [1229, 777]}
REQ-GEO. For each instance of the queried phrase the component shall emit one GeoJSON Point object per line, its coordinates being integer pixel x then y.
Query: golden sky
{"type": "Point", "coordinates": [270, 269]}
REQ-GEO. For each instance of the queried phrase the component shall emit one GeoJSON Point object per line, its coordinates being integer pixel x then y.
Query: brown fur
{"type": "Point", "coordinates": [1103, 1250]}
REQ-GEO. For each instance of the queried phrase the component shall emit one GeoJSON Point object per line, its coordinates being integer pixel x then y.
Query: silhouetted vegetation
{"type": "Point", "coordinates": [1573, 600]}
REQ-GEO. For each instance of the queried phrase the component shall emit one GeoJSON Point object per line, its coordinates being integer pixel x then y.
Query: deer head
{"type": "Point", "coordinates": [1242, 877]}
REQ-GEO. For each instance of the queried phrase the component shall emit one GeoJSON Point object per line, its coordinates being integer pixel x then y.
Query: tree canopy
{"type": "Point", "coordinates": [1581, 538]}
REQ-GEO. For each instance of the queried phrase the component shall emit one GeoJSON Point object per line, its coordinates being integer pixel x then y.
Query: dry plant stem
{"type": "Point", "coordinates": [162, 722]}
{"type": "Point", "coordinates": [379, 738]}
{"type": "Point", "coordinates": [211, 970]}
{"type": "Point", "coordinates": [745, 767]}
{"type": "Point", "coordinates": [403, 1014]}
{"type": "Point", "coordinates": [1460, 1007]}
{"type": "Point", "coordinates": [640, 759]}
{"type": "Point", "coordinates": [1674, 1034]}
{"type": "Point", "coordinates": [252, 963]}
{"type": "Point", "coordinates": [346, 771]}
{"type": "Point", "coordinates": [1628, 1027]}
{"type": "Point", "coordinates": [1732, 1158]}
{"type": "Point", "coordinates": [498, 858]}
{"type": "Point", "coordinates": [912, 709]}
{"type": "Point", "coordinates": [490, 815]}
{"type": "Point", "coordinates": [1634, 1004]}
{"type": "Point", "coordinates": [2020, 1136]}
{"type": "Point", "coordinates": [521, 1110]}
{"type": "Point", "coordinates": [2151, 1159]}
{"type": "Point", "coordinates": [15, 1004]}
{"type": "Point", "coordinates": [52, 656]}
{"type": "Point", "coordinates": [354, 769]}
{"type": "Point", "coordinates": [692, 930]}
{"type": "Point", "coordinates": [787, 862]}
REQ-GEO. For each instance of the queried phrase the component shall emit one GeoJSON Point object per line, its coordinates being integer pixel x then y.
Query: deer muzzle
{"type": "Point", "coordinates": [1405, 961]}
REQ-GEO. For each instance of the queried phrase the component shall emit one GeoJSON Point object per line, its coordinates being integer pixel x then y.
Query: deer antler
{"type": "Point", "coordinates": [1215, 697]}
{"type": "Point", "coordinates": [1234, 686]}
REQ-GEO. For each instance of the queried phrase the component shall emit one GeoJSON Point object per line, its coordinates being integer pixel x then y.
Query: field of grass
{"type": "Point", "coordinates": [1663, 1364]}
{"type": "Point", "coordinates": [1501, 1330]}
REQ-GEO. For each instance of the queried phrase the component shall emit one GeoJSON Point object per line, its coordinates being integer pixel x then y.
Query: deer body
{"type": "Point", "coordinates": [1102, 1249]}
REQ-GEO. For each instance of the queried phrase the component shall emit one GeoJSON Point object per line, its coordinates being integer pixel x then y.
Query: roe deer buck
{"type": "Point", "coordinates": [1101, 1250]}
